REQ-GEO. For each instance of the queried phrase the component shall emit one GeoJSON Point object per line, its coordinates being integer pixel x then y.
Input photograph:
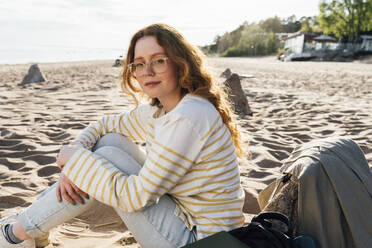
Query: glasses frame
{"type": "Point", "coordinates": [150, 63]}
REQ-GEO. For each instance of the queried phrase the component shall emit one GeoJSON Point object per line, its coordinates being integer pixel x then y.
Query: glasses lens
{"type": "Point", "coordinates": [159, 65]}
{"type": "Point", "coordinates": [137, 68]}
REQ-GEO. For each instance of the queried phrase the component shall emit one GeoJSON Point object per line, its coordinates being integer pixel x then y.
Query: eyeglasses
{"type": "Point", "coordinates": [158, 65]}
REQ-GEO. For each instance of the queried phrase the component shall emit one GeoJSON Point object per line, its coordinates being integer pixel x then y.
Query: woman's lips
{"type": "Point", "coordinates": [152, 83]}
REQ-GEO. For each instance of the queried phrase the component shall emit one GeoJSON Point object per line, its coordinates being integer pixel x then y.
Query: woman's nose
{"type": "Point", "coordinates": [148, 69]}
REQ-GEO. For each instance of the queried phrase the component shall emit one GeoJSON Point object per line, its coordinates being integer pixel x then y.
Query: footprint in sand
{"type": "Point", "coordinates": [57, 135]}
{"type": "Point", "coordinates": [258, 174]}
{"type": "Point", "coordinates": [19, 147]}
{"type": "Point", "coordinates": [16, 136]}
{"type": "Point", "coordinates": [327, 132]}
{"type": "Point", "coordinates": [7, 142]}
{"type": "Point", "coordinates": [277, 147]}
{"type": "Point", "coordinates": [15, 185]}
{"type": "Point", "coordinates": [48, 171]}
{"type": "Point", "coordinates": [11, 165]}
{"type": "Point", "coordinates": [25, 169]}
{"type": "Point", "coordinates": [11, 201]}
{"type": "Point", "coordinates": [68, 125]}
{"type": "Point", "coordinates": [301, 137]}
{"type": "Point", "coordinates": [41, 159]}
{"type": "Point", "coordinates": [349, 111]}
{"type": "Point", "coordinates": [4, 117]}
{"type": "Point", "coordinates": [266, 163]}
{"type": "Point", "coordinates": [4, 176]}
{"type": "Point", "coordinates": [279, 155]}
{"type": "Point", "coordinates": [254, 155]}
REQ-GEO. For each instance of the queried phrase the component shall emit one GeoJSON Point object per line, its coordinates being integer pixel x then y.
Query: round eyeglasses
{"type": "Point", "coordinates": [158, 65]}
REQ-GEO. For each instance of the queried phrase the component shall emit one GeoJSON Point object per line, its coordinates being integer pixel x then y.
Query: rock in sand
{"type": "Point", "coordinates": [34, 75]}
{"type": "Point", "coordinates": [237, 95]}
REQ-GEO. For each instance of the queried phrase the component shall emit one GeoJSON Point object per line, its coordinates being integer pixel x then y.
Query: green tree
{"type": "Point", "coordinates": [254, 41]}
{"type": "Point", "coordinates": [272, 24]}
{"type": "Point", "coordinates": [229, 39]}
{"type": "Point", "coordinates": [345, 18]}
{"type": "Point", "coordinates": [306, 25]}
{"type": "Point", "coordinates": [271, 44]}
{"type": "Point", "coordinates": [291, 24]}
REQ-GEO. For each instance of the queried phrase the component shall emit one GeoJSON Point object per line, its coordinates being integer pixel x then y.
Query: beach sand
{"type": "Point", "coordinates": [292, 103]}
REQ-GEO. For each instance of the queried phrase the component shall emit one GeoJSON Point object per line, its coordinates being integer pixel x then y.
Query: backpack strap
{"type": "Point", "coordinates": [256, 235]}
{"type": "Point", "coordinates": [263, 217]}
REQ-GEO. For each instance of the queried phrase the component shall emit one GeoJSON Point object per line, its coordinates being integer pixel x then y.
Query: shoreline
{"type": "Point", "coordinates": [62, 62]}
{"type": "Point", "coordinates": [367, 59]}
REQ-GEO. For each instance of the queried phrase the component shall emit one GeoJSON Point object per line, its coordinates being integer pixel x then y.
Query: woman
{"type": "Point", "coordinates": [185, 187]}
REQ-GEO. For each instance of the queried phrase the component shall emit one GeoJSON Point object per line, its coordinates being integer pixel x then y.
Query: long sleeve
{"type": "Point", "coordinates": [130, 124]}
{"type": "Point", "coordinates": [170, 157]}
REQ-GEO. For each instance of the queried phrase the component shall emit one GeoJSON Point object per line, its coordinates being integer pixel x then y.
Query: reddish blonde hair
{"type": "Point", "coordinates": [192, 76]}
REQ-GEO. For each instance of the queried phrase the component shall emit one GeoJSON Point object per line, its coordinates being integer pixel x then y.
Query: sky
{"type": "Point", "coordinates": [111, 23]}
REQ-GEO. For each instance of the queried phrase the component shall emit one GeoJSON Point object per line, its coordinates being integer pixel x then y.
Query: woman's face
{"type": "Point", "coordinates": [162, 85]}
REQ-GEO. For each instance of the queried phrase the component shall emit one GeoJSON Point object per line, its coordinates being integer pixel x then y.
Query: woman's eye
{"type": "Point", "coordinates": [139, 65]}
{"type": "Point", "coordinates": [159, 61]}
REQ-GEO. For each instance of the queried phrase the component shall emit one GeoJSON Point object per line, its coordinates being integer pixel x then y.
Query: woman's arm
{"type": "Point", "coordinates": [169, 159]}
{"type": "Point", "coordinates": [129, 124]}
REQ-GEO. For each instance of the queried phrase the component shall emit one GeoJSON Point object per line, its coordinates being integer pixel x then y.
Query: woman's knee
{"type": "Point", "coordinates": [124, 144]}
{"type": "Point", "coordinates": [120, 159]}
{"type": "Point", "coordinates": [111, 139]}
{"type": "Point", "coordinates": [109, 152]}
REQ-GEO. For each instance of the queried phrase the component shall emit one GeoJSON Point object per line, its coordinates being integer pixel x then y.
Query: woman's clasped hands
{"type": "Point", "coordinates": [65, 188]}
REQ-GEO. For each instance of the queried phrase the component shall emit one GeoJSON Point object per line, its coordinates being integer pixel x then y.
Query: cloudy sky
{"type": "Point", "coordinates": [110, 23]}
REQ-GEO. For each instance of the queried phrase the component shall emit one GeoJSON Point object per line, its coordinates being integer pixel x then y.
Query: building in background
{"type": "Point", "coordinates": [366, 43]}
{"type": "Point", "coordinates": [315, 46]}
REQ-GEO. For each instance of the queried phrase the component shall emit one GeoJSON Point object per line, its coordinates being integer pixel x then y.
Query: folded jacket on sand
{"type": "Point", "coordinates": [334, 192]}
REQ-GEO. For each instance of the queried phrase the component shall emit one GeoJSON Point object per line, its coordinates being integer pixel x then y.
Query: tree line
{"type": "Point", "coordinates": [344, 19]}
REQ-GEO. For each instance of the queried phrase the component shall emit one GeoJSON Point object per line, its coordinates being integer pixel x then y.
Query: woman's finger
{"type": "Point", "coordinates": [72, 193]}
{"type": "Point", "coordinates": [79, 191]}
{"type": "Point", "coordinates": [66, 195]}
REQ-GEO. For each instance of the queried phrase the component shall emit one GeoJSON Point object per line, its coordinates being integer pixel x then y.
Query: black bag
{"type": "Point", "coordinates": [261, 234]}
{"type": "Point", "coordinates": [258, 234]}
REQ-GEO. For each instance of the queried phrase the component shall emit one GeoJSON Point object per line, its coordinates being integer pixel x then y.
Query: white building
{"type": "Point", "coordinates": [366, 43]}
{"type": "Point", "coordinates": [295, 43]}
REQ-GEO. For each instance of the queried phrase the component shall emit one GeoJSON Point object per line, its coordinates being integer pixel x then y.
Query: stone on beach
{"type": "Point", "coordinates": [34, 75]}
{"type": "Point", "coordinates": [226, 73]}
{"type": "Point", "coordinates": [119, 62]}
{"type": "Point", "coordinates": [237, 96]}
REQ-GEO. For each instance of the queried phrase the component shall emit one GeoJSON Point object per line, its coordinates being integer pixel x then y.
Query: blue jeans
{"type": "Point", "coordinates": [154, 226]}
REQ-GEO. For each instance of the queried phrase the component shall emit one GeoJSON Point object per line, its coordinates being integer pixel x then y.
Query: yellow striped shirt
{"type": "Point", "coordinates": [190, 155]}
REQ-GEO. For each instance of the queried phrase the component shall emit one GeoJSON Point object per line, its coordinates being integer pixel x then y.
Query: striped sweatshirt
{"type": "Point", "coordinates": [190, 155]}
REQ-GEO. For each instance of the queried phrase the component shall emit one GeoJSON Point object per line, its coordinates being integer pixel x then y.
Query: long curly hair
{"type": "Point", "coordinates": [192, 76]}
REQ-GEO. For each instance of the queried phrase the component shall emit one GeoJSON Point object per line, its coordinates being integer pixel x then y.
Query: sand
{"type": "Point", "coordinates": [292, 103]}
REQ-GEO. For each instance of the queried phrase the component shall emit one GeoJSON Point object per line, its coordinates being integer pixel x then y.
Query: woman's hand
{"type": "Point", "coordinates": [69, 191]}
{"type": "Point", "coordinates": [66, 153]}
{"type": "Point", "coordinates": [65, 188]}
